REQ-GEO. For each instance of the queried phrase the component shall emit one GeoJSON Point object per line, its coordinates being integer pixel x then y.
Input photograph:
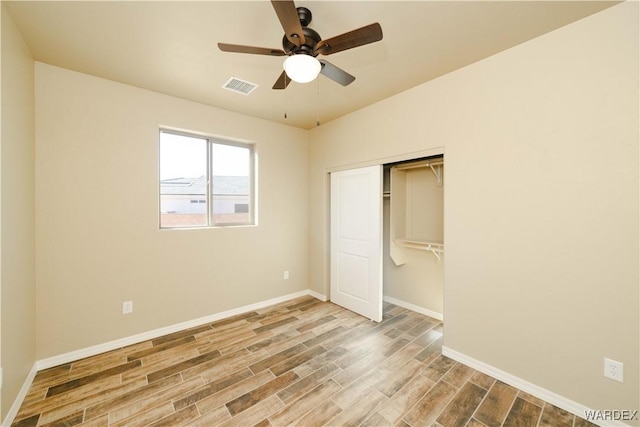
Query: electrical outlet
{"type": "Point", "coordinates": [613, 370]}
{"type": "Point", "coordinates": [127, 307]}
{"type": "Point", "coordinates": [286, 275]}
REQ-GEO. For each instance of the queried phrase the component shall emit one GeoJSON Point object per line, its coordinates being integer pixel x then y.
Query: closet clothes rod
{"type": "Point", "coordinates": [427, 246]}
{"type": "Point", "coordinates": [437, 172]}
{"type": "Point", "coordinates": [435, 248]}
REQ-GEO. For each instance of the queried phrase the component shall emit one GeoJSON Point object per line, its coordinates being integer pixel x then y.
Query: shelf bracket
{"type": "Point", "coordinates": [437, 173]}
{"type": "Point", "coordinates": [433, 251]}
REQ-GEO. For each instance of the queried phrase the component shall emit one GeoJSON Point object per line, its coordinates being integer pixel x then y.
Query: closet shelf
{"type": "Point", "coordinates": [419, 164]}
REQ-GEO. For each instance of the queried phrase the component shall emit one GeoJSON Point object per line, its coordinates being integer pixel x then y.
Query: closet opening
{"type": "Point", "coordinates": [413, 235]}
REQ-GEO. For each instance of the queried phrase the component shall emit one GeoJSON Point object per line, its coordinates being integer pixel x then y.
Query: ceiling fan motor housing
{"type": "Point", "coordinates": [311, 37]}
{"type": "Point", "coordinates": [305, 16]}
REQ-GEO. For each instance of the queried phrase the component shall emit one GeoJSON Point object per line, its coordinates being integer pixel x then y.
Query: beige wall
{"type": "Point", "coordinates": [98, 241]}
{"type": "Point", "coordinates": [17, 280]}
{"type": "Point", "coordinates": [541, 202]}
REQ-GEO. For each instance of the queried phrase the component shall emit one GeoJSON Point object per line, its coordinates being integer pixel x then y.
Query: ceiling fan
{"type": "Point", "coordinates": [302, 45]}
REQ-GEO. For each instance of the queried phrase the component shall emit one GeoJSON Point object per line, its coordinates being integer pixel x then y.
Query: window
{"type": "Point", "coordinates": [205, 181]}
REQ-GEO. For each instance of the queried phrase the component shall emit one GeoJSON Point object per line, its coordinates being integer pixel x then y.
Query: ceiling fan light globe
{"type": "Point", "coordinates": [302, 68]}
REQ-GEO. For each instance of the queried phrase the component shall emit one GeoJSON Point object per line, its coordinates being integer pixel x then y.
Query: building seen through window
{"type": "Point", "coordinates": [204, 181]}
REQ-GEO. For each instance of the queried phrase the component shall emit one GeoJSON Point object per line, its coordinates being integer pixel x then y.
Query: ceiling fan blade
{"type": "Point", "coordinates": [365, 35]}
{"type": "Point", "coordinates": [282, 82]}
{"type": "Point", "coordinates": [225, 47]}
{"type": "Point", "coordinates": [336, 74]}
{"type": "Point", "coordinates": [290, 21]}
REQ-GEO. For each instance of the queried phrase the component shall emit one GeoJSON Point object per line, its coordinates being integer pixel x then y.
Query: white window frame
{"type": "Point", "coordinates": [210, 140]}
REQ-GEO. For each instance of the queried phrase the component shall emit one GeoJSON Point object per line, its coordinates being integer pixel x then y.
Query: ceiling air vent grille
{"type": "Point", "coordinates": [243, 87]}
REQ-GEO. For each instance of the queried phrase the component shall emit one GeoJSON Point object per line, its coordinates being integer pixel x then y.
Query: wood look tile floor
{"type": "Point", "coordinates": [303, 362]}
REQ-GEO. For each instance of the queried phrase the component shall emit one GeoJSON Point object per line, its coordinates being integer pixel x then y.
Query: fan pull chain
{"type": "Point", "coordinates": [318, 102]}
{"type": "Point", "coordinates": [285, 96]}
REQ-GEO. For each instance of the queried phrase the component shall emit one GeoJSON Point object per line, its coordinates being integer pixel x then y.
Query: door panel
{"type": "Point", "coordinates": [356, 240]}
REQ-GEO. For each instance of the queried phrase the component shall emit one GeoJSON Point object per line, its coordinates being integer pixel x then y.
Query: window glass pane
{"type": "Point", "coordinates": [183, 182]}
{"type": "Point", "coordinates": [231, 196]}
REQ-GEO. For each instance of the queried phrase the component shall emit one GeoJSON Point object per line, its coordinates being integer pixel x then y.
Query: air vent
{"type": "Point", "coordinates": [234, 84]}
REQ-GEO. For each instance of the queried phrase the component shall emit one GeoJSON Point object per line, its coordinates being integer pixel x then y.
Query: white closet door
{"type": "Point", "coordinates": [356, 240]}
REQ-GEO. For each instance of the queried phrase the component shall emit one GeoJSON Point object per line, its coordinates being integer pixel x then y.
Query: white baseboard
{"type": "Point", "coordinates": [317, 295]}
{"type": "Point", "coordinates": [13, 411]}
{"type": "Point", "coordinates": [534, 390]}
{"type": "Point", "coordinates": [412, 307]}
{"type": "Point", "coordinates": [134, 339]}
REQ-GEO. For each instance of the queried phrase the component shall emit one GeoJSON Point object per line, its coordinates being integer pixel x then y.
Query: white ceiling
{"type": "Point", "coordinates": [171, 47]}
